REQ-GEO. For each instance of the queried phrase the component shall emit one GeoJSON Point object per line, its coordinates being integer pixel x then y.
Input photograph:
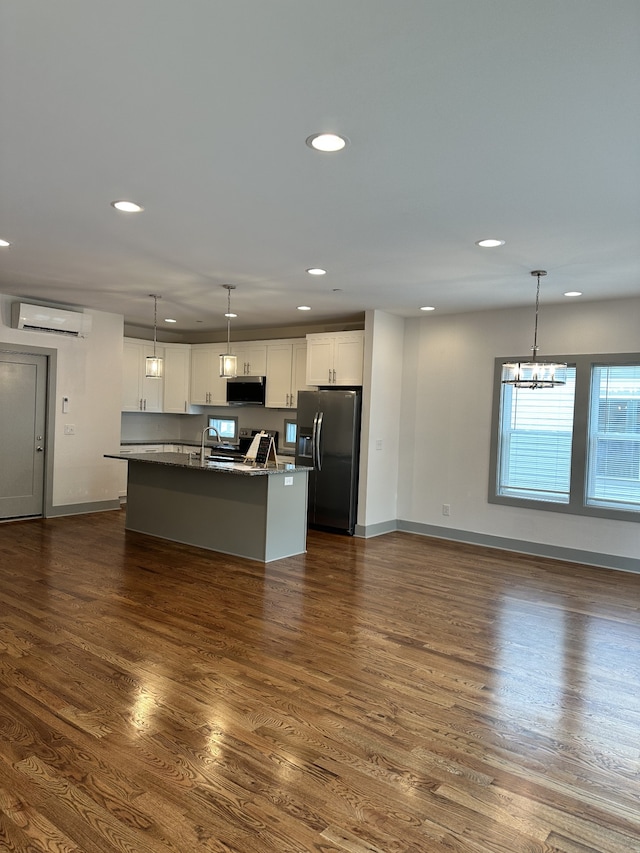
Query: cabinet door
{"type": "Point", "coordinates": [348, 357]}
{"type": "Point", "coordinates": [278, 375]}
{"type": "Point", "coordinates": [257, 360]}
{"type": "Point", "coordinates": [319, 360]}
{"type": "Point", "coordinates": [241, 352]}
{"type": "Point", "coordinates": [131, 385]}
{"type": "Point", "coordinates": [298, 372]}
{"type": "Point", "coordinates": [200, 371]}
{"type": "Point", "coordinates": [176, 378]}
{"type": "Point", "coordinates": [152, 389]}
{"type": "Point", "coordinates": [207, 387]}
{"type": "Point", "coordinates": [252, 358]}
{"type": "Point", "coordinates": [140, 394]}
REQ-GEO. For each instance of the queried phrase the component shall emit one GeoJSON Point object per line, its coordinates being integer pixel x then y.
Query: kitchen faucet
{"type": "Point", "coordinates": [204, 431]}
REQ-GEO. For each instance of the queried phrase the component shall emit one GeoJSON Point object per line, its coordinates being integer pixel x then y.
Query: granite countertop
{"type": "Point", "coordinates": [186, 460]}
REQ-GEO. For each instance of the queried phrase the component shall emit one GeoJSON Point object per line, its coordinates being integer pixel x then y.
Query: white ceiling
{"type": "Point", "coordinates": [517, 119]}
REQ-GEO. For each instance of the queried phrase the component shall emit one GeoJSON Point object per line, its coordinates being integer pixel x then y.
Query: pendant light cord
{"type": "Point", "coordinates": [155, 323]}
{"type": "Point", "coordinates": [535, 327]}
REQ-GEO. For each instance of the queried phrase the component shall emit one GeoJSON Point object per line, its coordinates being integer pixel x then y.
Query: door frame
{"type": "Point", "coordinates": [51, 356]}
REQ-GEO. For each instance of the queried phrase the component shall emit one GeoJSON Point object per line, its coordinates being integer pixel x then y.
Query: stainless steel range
{"type": "Point", "coordinates": [246, 434]}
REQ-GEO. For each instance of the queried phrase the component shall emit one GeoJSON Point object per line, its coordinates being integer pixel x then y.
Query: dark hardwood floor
{"type": "Point", "coordinates": [395, 695]}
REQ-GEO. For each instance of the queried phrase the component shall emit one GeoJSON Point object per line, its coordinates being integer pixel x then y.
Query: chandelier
{"type": "Point", "coordinates": [534, 373]}
{"type": "Point", "coordinates": [153, 363]}
{"type": "Point", "coordinates": [228, 362]}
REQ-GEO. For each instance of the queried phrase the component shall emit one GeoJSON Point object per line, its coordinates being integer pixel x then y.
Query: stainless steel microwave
{"type": "Point", "coordinates": [246, 391]}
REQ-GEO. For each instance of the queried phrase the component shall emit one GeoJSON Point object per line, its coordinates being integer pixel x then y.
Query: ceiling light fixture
{"type": "Point", "coordinates": [127, 206]}
{"type": "Point", "coordinates": [304, 308]}
{"type": "Point", "coordinates": [489, 243]}
{"type": "Point", "coordinates": [327, 142]}
{"type": "Point", "coordinates": [228, 362]}
{"type": "Point", "coordinates": [170, 320]}
{"type": "Point", "coordinates": [316, 271]}
{"type": "Point", "coordinates": [428, 308]}
{"type": "Point", "coordinates": [573, 293]}
{"type": "Point", "coordinates": [534, 374]}
{"type": "Point", "coordinates": [153, 364]}
{"type": "Point", "coordinates": [4, 243]}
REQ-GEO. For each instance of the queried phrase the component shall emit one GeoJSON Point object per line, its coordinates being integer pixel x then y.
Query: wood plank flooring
{"type": "Point", "coordinates": [394, 695]}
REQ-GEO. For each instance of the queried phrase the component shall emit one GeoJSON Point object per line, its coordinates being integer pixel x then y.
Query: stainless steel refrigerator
{"type": "Point", "coordinates": [328, 439]}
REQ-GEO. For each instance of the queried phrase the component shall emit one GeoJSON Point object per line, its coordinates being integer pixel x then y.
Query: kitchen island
{"type": "Point", "coordinates": [253, 512]}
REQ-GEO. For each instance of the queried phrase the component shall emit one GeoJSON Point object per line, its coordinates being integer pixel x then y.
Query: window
{"type": "Point", "coordinates": [290, 432]}
{"type": "Point", "coordinates": [536, 429]}
{"type": "Point", "coordinates": [574, 448]}
{"type": "Point", "coordinates": [614, 438]}
{"type": "Point", "coordinates": [227, 428]}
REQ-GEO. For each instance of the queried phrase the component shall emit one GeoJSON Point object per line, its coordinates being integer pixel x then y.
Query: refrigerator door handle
{"type": "Point", "coordinates": [318, 440]}
{"type": "Point", "coordinates": [314, 439]}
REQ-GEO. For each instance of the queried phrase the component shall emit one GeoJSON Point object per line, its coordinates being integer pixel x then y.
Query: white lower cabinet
{"type": "Point", "coordinates": [134, 448]}
{"type": "Point", "coordinates": [207, 387]}
{"type": "Point", "coordinates": [335, 358]}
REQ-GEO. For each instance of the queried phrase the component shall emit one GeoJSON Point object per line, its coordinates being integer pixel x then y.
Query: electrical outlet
{"type": "Point", "coordinates": [379, 444]}
{"type": "Point", "coordinates": [446, 509]}
{"type": "Point", "coordinates": [288, 481]}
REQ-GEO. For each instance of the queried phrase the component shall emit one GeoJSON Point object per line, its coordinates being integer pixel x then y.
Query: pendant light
{"type": "Point", "coordinates": [534, 373]}
{"type": "Point", "coordinates": [228, 362]}
{"type": "Point", "coordinates": [153, 364]}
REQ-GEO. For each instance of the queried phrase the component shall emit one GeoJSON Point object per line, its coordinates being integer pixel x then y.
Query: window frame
{"type": "Point", "coordinates": [579, 463]}
{"type": "Point", "coordinates": [211, 421]}
{"type": "Point", "coordinates": [289, 444]}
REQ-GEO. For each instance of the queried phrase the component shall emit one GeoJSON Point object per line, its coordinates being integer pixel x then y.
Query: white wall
{"type": "Point", "coordinates": [379, 445]}
{"type": "Point", "coordinates": [446, 418]}
{"type": "Point", "coordinates": [89, 372]}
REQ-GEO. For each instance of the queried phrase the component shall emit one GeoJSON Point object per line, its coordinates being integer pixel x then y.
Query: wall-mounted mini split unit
{"type": "Point", "coordinates": [40, 318]}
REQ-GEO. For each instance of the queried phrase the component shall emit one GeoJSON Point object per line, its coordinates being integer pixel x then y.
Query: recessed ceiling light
{"type": "Point", "coordinates": [170, 320]}
{"type": "Point", "coordinates": [127, 206]}
{"type": "Point", "coordinates": [427, 308]}
{"type": "Point", "coordinates": [304, 308]}
{"type": "Point", "coordinates": [490, 243]}
{"type": "Point", "coordinates": [327, 142]}
{"type": "Point", "coordinates": [573, 293]}
{"type": "Point", "coordinates": [4, 243]}
{"type": "Point", "coordinates": [229, 314]}
{"type": "Point", "coordinates": [316, 271]}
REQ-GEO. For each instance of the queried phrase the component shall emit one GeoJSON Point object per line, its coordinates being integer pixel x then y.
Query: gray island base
{"type": "Point", "coordinates": [260, 514]}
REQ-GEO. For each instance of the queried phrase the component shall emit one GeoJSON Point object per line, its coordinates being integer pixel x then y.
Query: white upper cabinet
{"type": "Point", "coordinates": [177, 374]}
{"type": "Point", "coordinates": [286, 373]}
{"type": "Point", "coordinates": [252, 358]}
{"type": "Point", "coordinates": [207, 386]}
{"type": "Point", "coordinates": [140, 394]}
{"type": "Point", "coordinates": [335, 358]}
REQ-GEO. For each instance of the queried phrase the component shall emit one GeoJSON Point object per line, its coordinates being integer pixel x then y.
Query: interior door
{"type": "Point", "coordinates": [23, 398]}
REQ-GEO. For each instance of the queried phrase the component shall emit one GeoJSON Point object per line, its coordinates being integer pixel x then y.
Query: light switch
{"type": "Point", "coordinates": [65, 405]}
{"type": "Point", "coordinates": [288, 481]}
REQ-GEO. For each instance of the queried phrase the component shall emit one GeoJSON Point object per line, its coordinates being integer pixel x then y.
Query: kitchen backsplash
{"type": "Point", "coordinates": [145, 426]}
